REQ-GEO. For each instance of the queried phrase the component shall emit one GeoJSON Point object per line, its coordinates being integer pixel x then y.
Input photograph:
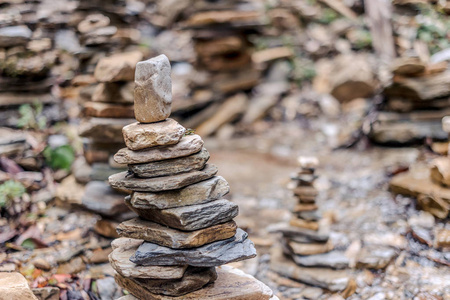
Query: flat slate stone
{"type": "Point", "coordinates": [231, 284]}
{"type": "Point", "coordinates": [188, 145]}
{"type": "Point", "coordinates": [192, 217]}
{"type": "Point", "coordinates": [214, 254]}
{"type": "Point", "coordinates": [99, 197]}
{"type": "Point", "coordinates": [14, 36]}
{"type": "Point", "coordinates": [107, 130]}
{"type": "Point", "coordinates": [197, 193]}
{"type": "Point", "coordinates": [192, 280]}
{"type": "Point", "coordinates": [171, 166]}
{"type": "Point", "coordinates": [333, 259]}
{"type": "Point", "coordinates": [124, 248]}
{"type": "Point", "coordinates": [299, 234]}
{"type": "Point", "coordinates": [117, 67]}
{"type": "Point", "coordinates": [108, 110]}
{"type": "Point", "coordinates": [139, 136]}
{"type": "Point", "coordinates": [164, 183]}
{"type": "Point", "coordinates": [173, 238]}
{"type": "Point", "coordinates": [153, 90]}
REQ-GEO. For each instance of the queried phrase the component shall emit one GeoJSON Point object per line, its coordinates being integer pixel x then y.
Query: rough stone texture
{"type": "Point", "coordinates": [171, 166]}
{"type": "Point", "coordinates": [117, 67]}
{"type": "Point", "coordinates": [214, 254]}
{"type": "Point", "coordinates": [46, 293]}
{"type": "Point", "coordinates": [299, 234]}
{"type": "Point", "coordinates": [153, 90]}
{"type": "Point", "coordinates": [172, 238]}
{"type": "Point", "coordinates": [124, 248]}
{"type": "Point", "coordinates": [197, 193]}
{"type": "Point", "coordinates": [333, 259]}
{"type": "Point", "coordinates": [14, 286]}
{"type": "Point", "coordinates": [231, 284]}
{"type": "Point", "coordinates": [191, 217]}
{"type": "Point", "coordinates": [102, 199]}
{"type": "Point", "coordinates": [375, 257]}
{"type": "Point", "coordinates": [157, 184]}
{"type": "Point", "coordinates": [104, 129]}
{"type": "Point", "coordinates": [192, 280]}
{"type": "Point", "coordinates": [112, 92]}
{"type": "Point", "coordinates": [308, 248]}
{"type": "Point", "coordinates": [332, 280]}
{"type": "Point", "coordinates": [107, 110]}
{"type": "Point", "coordinates": [14, 36]}
{"type": "Point", "coordinates": [440, 170]}
{"type": "Point", "coordinates": [139, 136]}
{"type": "Point", "coordinates": [188, 145]}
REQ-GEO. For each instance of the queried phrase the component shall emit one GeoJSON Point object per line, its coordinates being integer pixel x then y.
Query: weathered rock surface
{"type": "Point", "coordinates": [197, 193]}
{"type": "Point", "coordinates": [308, 248]}
{"type": "Point", "coordinates": [375, 257]}
{"type": "Point", "coordinates": [139, 136]}
{"type": "Point", "coordinates": [104, 129]}
{"type": "Point", "coordinates": [117, 67]}
{"type": "Point", "coordinates": [192, 280]}
{"type": "Point", "coordinates": [124, 248]}
{"type": "Point", "coordinates": [14, 36]}
{"type": "Point", "coordinates": [332, 280]}
{"type": "Point", "coordinates": [440, 170]}
{"type": "Point", "coordinates": [231, 284]}
{"type": "Point", "coordinates": [191, 217]}
{"type": "Point", "coordinates": [102, 199]}
{"type": "Point", "coordinates": [333, 259]}
{"type": "Point", "coordinates": [172, 238]}
{"type": "Point", "coordinates": [153, 90]}
{"type": "Point", "coordinates": [214, 254]}
{"type": "Point", "coordinates": [108, 110]}
{"type": "Point", "coordinates": [299, 234]}
{"type": "Point", "coordinates": [188, 145]}
{"type": "Point", "coordinates": [14, 286]}
{"type": "Point", "coordinates": [164, 183]}
{"type": "Point", "coordinates": [171, 166]}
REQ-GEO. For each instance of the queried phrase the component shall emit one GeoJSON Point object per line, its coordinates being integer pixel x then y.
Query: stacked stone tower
{"type": "Point", "coordinates": [184, 229]}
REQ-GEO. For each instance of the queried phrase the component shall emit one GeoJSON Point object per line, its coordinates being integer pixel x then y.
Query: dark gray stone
{"type": "Point", "coordinates": [99, 197]}
{"type": "Point", "coordinates": [333, 259]}
{"type": "Point", "coordinates": [214, 254]}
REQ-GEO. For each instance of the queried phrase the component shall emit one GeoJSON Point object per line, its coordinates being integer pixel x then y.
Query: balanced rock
{"type": "Point", "coordinates": [197, 193]}
{"type": "Point", "coordinates": [119, 258]}
{"type": "Point", "coordinates": [153, 90]}
{"type": "Point", "coordinates": [164, 183]}
{"type": "Point", "coordinates": [231, 284]}
{"type": "Point", "coordinates": [210, 255]}
{"type": "Point", "coordinates": [192, 280]}
{"type": "Point", "coordinates": [171, 166]}
{"type": "Point", "coordinates": [172, 238]}
{"type": "Point", "coordinates": [118, 67]}
{"type": "Point", "coordinates": [188, 145]}
{"type": "Point", "coordinates": [191, 217]}
{"type": "Point", "coordinates": [139, 136]}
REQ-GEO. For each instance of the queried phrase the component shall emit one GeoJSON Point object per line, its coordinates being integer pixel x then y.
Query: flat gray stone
{"type": "Point", "coordinates": [108, 130]}
{"type": "Point", "coordinates": [153, 90]}
{"type": "Point", "coordinates": [124, 248]}
{"type": "Point", "coordinates": [192, 280]}
{"type": "Point", "coordinates": [333, 259]}
{"type": "Point", "coordinates": [173, 238]}
{"type": "Point", "coordinates": [299, 234]}
{"type": "Point", "coordinates": [197, 193]}
{"type": "Point", "coordinates": [117, 67]}
{"type": "Point", "coordinates": [171, 166]}
{"type": "Point", "coordinates": [123, 181]}
{"type": "Point", "coordinates": [14, 36]}
{"type": "Point", "coordinates": [188, 145]}
{"type": "Point", "coordinates": [139, 136]}
{"type": "Point", "coordinates": [191, 217]}
{"type": "Point", "coordinates": [214, 254]}
{"type": "Point", "coordinates": [99, 197]}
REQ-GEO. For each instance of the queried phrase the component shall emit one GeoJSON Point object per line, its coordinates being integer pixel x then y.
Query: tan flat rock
{"type": "Point", "coordinates": [153, 90]}
{"type": "Point", "coordinates": [15, 286]}
{"type": "Point", "coordinates": [188, 145]}
{"type": "Point", "coordinates": [231, 284]}
{"type": "Point", "coordinates": [117, 67]}
{"type": "Point", "coordinates": [197, 193]}
{"type": "Point", "coordinates": [308, 248]}
{"type": "Point", "coordinates": [104, 129]}
{"type": "Point", "coordinates": [139, 136]}
{"type": "Point", "coordinates": [121, 180]}
{"type": "Point", "coordinates": [124, 248]}
{"type": "Point", "coordinates": [440, 170]}
{"type": "Point", "coordinates": [172, 238]}
{"type": "Point", "coordinates": [108, 110]}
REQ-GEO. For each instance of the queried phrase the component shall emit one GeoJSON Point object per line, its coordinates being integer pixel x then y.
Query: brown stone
{"type": "Point", "coordinates": [153, 90]}
{"type": "Point", "coordinates": [117, 67]}
{"type": "Point", "coordinates": [197, 193]}
{"type": "Point", "coordinates": [112, 92]}
{"type": "Point", "coordinates": [124, 248]}
{"type": "Point", "coordinates": [442, 238]}
{"type": "Point", "coordinates": [172, 238]}
{"type": "Point", "coordinates": [188, 145]}
{"type": "Point", "coordinates": [15, 286]}
{"type": "Point", "coordinates": [231, 284]}
{"type": "Point", "coordinates": [305, 207]}
{"type": "Point", "coordinates": [157, 184]}
{"type": "Point", "coordinates": [107, 110]}
{"type": "Point", "coordinates": [139, 136]}
{"type": "Point", "coordinates": [308, 248]}
{"type": "Point", "coordinates": [104, 129]}
{"type": "Point", "coordinates": [297, 222]}
{"type": "Point", "coordinates": [440, 170]}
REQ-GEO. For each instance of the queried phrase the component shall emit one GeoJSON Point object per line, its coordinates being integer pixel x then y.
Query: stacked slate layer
{"type": "Point", "coordinates": [110, 108]}
{"type": "Point", "coordinates": [185, 228]}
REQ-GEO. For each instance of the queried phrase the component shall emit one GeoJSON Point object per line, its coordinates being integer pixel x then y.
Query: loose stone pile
{"type": "Point", "coordinates": [184, 229]}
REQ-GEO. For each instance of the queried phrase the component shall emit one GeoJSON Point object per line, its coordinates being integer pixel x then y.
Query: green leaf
{"type": "Point", "coordinates": [28, 244]}
{"type": "Point", "coordinates": [59, 158]}
{"type": "Point", "coordinates": [9, 190]}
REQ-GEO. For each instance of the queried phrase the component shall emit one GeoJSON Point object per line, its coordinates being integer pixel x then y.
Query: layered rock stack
{"type": "Point", "coordinates": [185, 228]}
{"type": "Point", "coordinates": [109, 109]}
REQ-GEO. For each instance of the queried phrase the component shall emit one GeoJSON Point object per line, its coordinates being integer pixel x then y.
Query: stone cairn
{"type": "Point", "coordinates": [184, 229]}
